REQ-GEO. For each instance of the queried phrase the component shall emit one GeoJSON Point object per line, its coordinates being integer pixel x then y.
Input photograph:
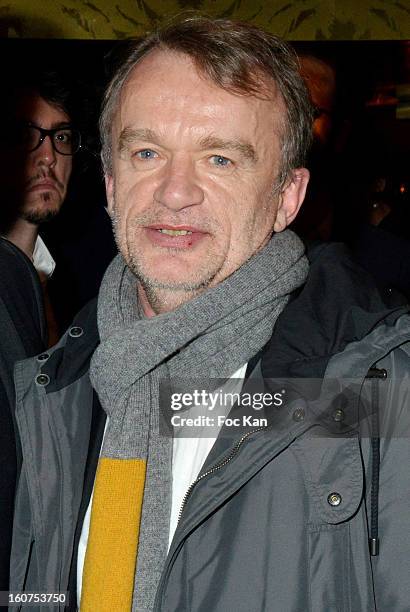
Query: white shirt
{"type": "Point", "coordinates": [188, 457]}
{"type": "Point", "coordinates": [189, 454]}
{"type": "Point", "coordinates": [42, 259]}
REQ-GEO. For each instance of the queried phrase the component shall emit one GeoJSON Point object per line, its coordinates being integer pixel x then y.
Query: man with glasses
{"type": "Point", "coordinates": [37, 142]}
{"type": "Point", "coordinates": [36, 149]}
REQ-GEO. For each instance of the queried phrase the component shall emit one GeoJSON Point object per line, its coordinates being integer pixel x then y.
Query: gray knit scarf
{"type": "Point", "coordinates": [213, 334]}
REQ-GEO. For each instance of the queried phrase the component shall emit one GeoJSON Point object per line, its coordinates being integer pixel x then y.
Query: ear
{"type": "Point", "coordinates": [109, 190]}
{"type": "Point", "coordinates": [291, 198]}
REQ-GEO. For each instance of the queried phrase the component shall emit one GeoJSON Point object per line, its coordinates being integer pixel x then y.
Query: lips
{"type": "Point", "coordinates": [42, 185]}
{"type": "Point", "coordinates": [171, 236]}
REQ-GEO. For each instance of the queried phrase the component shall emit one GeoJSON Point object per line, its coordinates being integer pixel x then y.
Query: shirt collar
{"type": "Point", "coordinates": [42, 259]}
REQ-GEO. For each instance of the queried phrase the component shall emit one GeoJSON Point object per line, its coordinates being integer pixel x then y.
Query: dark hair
{"type": "Point", "coordinates": [47, 84]}
{"type": "Point", "coordinates": [235, 56]}
{"type": "Point", "coordinates": [53, 90]}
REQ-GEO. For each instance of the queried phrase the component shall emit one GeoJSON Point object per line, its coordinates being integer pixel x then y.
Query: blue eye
{"type": "Point", "coordinates": [146, 154]}
{"type": "Point", "coordinates": [219, 160]}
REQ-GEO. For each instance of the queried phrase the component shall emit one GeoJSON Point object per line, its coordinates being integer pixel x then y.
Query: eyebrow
{"type": "Point", "coordinates": [244, 148]}
{"type": "Point", "coordinates": [56, 125]}
{"type": "Point", "coordinates": [130, 135]}
{"type": "Point", "coordinates": [62, 124]}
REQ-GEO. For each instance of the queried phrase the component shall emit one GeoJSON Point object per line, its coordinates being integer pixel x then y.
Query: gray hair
{"type": "Point", "coordinates": [234, 56]}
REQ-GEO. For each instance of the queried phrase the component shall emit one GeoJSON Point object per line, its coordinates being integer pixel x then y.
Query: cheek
{"type": "Point", "coordinates": [133, 191]}
{"type": "Point", "coordinates": [130, 200]}
{"type": "Point", "coordinates": [259, 217]}
{"type": "Point", "coordinates": [26, 166]}
{"type": "Point", "coordinates": [255, 202]}
{"type": "Point", "coordinates": [65, 171]}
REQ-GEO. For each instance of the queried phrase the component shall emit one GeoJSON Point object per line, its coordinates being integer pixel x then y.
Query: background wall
{"type": "Point", "coordinates": [291, 19]}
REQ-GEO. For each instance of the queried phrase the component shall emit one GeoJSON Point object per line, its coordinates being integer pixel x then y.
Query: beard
{"type": "Point", "coordinates": [35, 212]}
{"type": "Point", "coordinates": [38, 217]}
{"type": "Point", "coordinates": [42, 210]}
{"type": "Point", "coordinates": [162, 294]}
{"type": "Point", "coordinates": [165, 296]}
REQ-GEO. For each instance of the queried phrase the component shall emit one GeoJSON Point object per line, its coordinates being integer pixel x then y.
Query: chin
{"type": "Point", "coordinates": [162, 298]}
{"type": "Point", "coordinates": [177, 284]}
{"type": "Point", "coordinates": [40, 214]}
{"type": "Point", "coordinates": [170, 279]}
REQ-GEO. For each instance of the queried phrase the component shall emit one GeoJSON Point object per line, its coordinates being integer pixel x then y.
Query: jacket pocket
{"type": "Point", "coordinates": [329, 568]}
{"type": "Point", "coordinates": [336, 527]}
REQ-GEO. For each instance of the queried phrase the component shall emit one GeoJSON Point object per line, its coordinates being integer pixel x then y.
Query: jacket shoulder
{"type": "Point", "coordinates": [21, 297]}
{"type": "Point", "coordinates": [69, 359]}
{"type": "Point", "coordinates": [338, 304]}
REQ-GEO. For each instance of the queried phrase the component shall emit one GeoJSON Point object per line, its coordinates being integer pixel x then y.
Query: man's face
{"type": "Point", "coordinates": [36, 182]}
{"type": "Point", "coordinates": [192, 191]}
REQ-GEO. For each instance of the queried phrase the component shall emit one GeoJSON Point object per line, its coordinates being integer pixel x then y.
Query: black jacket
{"type": "Point", "coordinates": [22, 334]}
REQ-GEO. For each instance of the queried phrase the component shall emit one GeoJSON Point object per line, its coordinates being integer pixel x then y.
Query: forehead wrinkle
{"type": "Point", "coordinates": [130, 135]}
{"type": "Point", "coordinates": [245, 148]}
{"type": "Point", "coordinates": [56, 125]}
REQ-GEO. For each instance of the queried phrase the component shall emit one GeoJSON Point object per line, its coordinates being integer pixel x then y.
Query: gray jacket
{"type": "Point", "coordinates": [280, 518]}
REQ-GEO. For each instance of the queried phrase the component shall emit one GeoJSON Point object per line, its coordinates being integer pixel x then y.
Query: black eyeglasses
{"type": "Point", "coordinates": [65, 140]}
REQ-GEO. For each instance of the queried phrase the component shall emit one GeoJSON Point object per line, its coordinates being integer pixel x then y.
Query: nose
{"type": "Point", "coordinates": [45, 154]}
{"type": "Point", "coordinates": [178, 187]}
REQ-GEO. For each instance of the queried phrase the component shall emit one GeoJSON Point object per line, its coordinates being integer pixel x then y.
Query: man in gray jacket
{"type": "Point", "coordinates": [204, 129]}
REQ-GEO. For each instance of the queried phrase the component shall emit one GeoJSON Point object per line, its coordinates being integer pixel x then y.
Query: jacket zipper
{"type": "Point", "coordinates": [217, 467]}
{"type": "Point", "coordinates": [211, 470]}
